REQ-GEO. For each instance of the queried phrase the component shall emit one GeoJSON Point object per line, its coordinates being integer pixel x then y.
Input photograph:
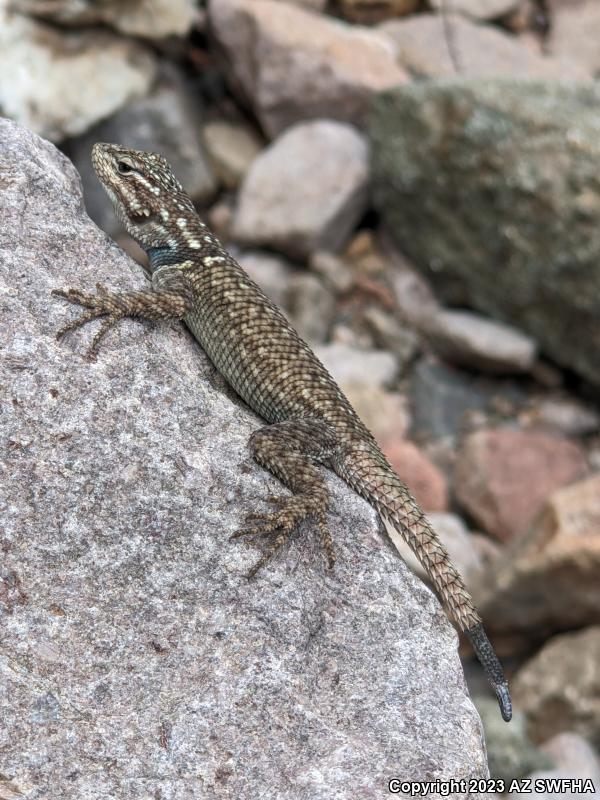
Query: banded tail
{"type": "Point", "coordinates": [366, 470]}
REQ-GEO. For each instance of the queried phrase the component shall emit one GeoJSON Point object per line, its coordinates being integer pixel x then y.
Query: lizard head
{"type": "Point", "coordinates": [146, 195]}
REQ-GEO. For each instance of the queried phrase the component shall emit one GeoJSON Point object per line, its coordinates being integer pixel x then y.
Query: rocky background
{"type": "Point", "coordinates": [417, 185]}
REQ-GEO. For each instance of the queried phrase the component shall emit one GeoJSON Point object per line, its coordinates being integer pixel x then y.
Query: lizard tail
{"type": "Point", "coordinates": [366, 470]}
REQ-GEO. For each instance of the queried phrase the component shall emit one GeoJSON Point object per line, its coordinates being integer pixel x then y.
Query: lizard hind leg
{"type": "Point", "coordinates": [292, 450]}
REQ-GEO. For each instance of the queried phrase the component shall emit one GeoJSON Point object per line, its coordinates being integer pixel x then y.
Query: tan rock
{"type": "Point", "coordinates": [550, 579]}
{"type": "Point", "coordinates": [370, 11]}
{"type": "Point", "coordinates": [232, 148]}
{"type": "Point", "coordinates": [559, 688]}
{"type": "Point", "coordinates": [480, 51]}
{"type": "Point", "coordinates": [385, 414]}
{"type": "Point", "coordinates": [503, 476]}
{"type": "Point", "coordinates": [575, 32]}
{"type": "Point", "coordinates": [292, 64]}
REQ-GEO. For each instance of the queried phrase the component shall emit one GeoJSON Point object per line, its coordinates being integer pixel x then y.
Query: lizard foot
{"type": "Point", "coordinates": [278, 525]}
{"type": "Point", "coordinates": [99, 305]}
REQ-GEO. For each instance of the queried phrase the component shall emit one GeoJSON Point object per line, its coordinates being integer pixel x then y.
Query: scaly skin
{"type": "Point", "coordinates": [311, 423]}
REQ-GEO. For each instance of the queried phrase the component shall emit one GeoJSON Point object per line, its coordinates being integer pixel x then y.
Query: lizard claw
{"type": "Point", "coordinates": [278, 525]}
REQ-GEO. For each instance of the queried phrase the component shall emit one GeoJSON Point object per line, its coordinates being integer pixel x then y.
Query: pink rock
{"type": "Point", "coordinates": [503, 476]}
{"type": "Point", "coordinates": [423, 478]}
{"type": "Point", "coordinates": [291, 64]}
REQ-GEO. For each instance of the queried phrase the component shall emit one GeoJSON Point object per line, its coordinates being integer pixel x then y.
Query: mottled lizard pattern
{"type": "Point", "coordinates": [311, 423]}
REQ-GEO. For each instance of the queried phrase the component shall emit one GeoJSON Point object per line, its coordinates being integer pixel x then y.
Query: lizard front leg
{"type": "Point", "coordinates": [292, 450]}
{"type": "Point", "coordinates": [172, 301]}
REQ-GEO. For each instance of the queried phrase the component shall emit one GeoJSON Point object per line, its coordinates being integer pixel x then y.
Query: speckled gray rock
{"type": "Point", "coordinates": [279, 207]}
{"type": "Point", "coordinates": [136, 659]}
{"type": "Point", "coordinates": [492, 188]}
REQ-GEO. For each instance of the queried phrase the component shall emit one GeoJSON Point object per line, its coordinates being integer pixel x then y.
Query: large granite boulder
{"type": "Point", "coordinates": [492, 188]}
{"type": "Point", "coordinates": [137, 660]}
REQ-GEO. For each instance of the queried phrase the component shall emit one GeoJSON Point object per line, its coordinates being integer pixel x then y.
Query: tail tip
{"type": "Point", "coordinates": [504, 701]}
{"type": "Point", "coordinates": [493, 669]}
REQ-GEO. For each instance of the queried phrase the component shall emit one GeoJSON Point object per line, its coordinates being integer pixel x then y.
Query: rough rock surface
{"type": "Point", "coordinates": [43, 70]}
{"type": "Point", "coordinates": [550, 579]}
{"type": "Point", "coordinates": [575, 32]}
{"type": "Point", "coordinates": [503, 476]}
{"type": "Point", "coordinates": [136, 659]}
{"type": "Point", "coordinates": [293, 65]}
{"type": "Point", "coordinates": [480, 51]}
{"type": "Point", "coordinates": [153, 19]}
{"type": "Point", "coordinates": [279, 208]}
{"type": "Point", "coordinates": [559, 688]}
{"type": "Point", "coordinates": [523, 242]}
{"type": "Point", "coordinates": [167, 121]}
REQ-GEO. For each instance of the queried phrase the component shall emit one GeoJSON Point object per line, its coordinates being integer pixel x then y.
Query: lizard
{"type": "Point", "coordinates": [310, 422]}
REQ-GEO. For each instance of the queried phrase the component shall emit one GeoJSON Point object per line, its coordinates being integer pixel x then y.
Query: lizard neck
{"type": "Point", "coordinates": [162, 257]}
{"type": "Point", "coordinates": [188, 239]}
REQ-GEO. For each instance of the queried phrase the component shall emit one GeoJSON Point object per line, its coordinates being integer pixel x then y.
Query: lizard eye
{"type": "Point", "coordinates": [124, 168]}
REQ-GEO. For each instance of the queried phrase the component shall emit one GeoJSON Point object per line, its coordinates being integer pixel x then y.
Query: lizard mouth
{"type": "Point", "coordinates": [142, 216]}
